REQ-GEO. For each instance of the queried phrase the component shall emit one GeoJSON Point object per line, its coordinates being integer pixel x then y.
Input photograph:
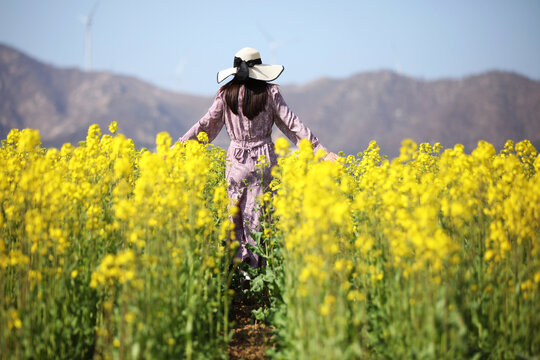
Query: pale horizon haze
{"type": "Point", "coordinates": [181, 45]}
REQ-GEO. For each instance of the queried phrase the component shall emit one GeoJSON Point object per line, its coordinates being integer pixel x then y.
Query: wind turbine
{"type": "Point", "coordinates": [397, 63]}
{"type": "Point", "coordinates": [87, 21]}
{"type": "Point", "coordinates": [179, 71]}
{"type": "Point", "coordinates": [273, 45]}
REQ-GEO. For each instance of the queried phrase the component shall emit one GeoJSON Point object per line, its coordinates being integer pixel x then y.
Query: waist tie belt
{"type": "Point", "coordinates": [244, 148]}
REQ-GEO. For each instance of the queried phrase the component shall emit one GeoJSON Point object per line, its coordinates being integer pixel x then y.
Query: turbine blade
{"type": "Point", "coordinates": [82, 18]}
{"type": "Point", "coordinates": [93, 12]}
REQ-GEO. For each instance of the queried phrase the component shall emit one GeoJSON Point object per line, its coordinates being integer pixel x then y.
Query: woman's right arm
{"type": "Point", "coordinates": [290, 124]}
{"type": "Point", "coordinates": [292, 127]}
{"type": "Point", "coordinates": [211, 123]}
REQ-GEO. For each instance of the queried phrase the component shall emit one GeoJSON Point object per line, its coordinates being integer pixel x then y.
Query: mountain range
{"type": "Point", "coordinates": [345, 114]}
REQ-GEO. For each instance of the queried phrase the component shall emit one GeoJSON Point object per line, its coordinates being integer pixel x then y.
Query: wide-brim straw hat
{"type": "Point", "coordinates": [257, 70]}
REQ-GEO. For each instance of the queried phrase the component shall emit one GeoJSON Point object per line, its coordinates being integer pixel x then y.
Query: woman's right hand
{"type": "Point", "coordinates": [331, 157]}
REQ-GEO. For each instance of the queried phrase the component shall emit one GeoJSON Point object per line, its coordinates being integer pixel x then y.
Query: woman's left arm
{"type": "Point", "coordinates": [211, 123]}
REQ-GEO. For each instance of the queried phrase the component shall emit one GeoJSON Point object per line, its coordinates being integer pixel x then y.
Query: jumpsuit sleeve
{"type": "Point", "coordinates": [211, 123]}
{"type": "Point", "coordinates": [290, 124]}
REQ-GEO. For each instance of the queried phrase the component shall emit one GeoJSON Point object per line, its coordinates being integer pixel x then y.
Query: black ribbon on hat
{"type": "Point", "coordinates": [243, 67]}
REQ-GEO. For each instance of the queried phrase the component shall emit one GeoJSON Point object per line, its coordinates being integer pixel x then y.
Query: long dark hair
{"type": "Point", "coordinates": [255, 96]}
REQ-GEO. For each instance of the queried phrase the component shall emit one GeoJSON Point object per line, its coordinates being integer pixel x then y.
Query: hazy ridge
{"type": "Point", "coordinates": [344, 113]}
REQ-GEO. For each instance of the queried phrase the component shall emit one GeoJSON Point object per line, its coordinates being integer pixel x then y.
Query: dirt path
{"type": "Point", "coordinates": [251, 339]}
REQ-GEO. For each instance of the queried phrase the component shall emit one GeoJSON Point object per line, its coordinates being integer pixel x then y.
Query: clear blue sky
{"type": "Point", "coordinates": [181, 45]}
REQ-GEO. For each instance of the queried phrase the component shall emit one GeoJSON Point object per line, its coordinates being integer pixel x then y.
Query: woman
{"type": "Point", "coordinates": [249, 106]}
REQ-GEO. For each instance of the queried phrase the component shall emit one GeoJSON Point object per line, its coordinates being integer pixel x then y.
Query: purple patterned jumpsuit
{"type": "Point", "coordinates": [249, 140]}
